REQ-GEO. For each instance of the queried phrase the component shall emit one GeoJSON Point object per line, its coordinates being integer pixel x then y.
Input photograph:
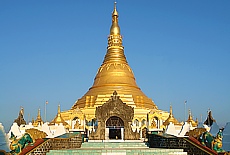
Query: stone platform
{"type": "Point", "coordinates": [117, 148]}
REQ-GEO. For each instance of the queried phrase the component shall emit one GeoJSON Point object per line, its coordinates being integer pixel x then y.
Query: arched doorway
{"type": "Point", "coordinates": [114, 128]}
{"type": "Point", "coordinates": [157, 122]}
{"type": "Point", "coordinates": [114, 114]}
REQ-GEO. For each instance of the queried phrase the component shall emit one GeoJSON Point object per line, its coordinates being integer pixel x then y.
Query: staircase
{"type": "Point", "coordinates": [189, 144]}
{"type": "Point", "coordinates": [117, 148]}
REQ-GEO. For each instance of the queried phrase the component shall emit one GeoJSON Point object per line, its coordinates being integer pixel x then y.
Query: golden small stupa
{"type": "Point", "coordinates": [190, 119]}
{"type": "Point", "coordinates": [58, 119]}
{"type": "Point", "coordinates": [171, 119]}
{"type": "Point", "coordinates": [38, 120]}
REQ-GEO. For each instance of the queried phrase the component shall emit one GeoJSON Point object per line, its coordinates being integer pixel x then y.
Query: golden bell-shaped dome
{"type": "Point", "coordinates": [171, 119]}
{"type": "Point", "coordinates": [115, 74]}
{"type": "Point", "coordinates": [58, 119]}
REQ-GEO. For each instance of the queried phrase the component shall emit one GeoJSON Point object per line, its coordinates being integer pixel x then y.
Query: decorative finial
{"type": "Point", "coordinates": [21, 110]}
{"type": "Point", "coordinates": [115, 29]}
{"type": "Point", "coordinates": [115, 13]}
{"type": "Point", "coordinates": [189, 115]}
{"type": "Point", "coordinates": [59, 109]}
{"type": "Point", "coordinates": [170, 110]}
{"type": "Point", "coordinates": [115, 93]}
{"type": "Point", "coordinates": [39, 112]}
{"type": "Point", "coordinates": [115, 97]}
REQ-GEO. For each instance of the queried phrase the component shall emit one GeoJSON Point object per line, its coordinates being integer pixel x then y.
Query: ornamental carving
{"type": "Point", "coordinates": [115, 65]}
{"type": "Point", "coordinates": [114, 107]}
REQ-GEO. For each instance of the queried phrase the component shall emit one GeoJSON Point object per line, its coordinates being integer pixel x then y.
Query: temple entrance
{"type": "Point", "coordinates": [115, 128]}
{"type": "Point", "coordinates": [114, 119]}
{"type": "Point", "coordinates": [114, 133]}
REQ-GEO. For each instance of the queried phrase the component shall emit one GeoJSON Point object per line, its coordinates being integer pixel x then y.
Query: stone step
{"type": "Point", "coordinates": [114, 145]}
{"type": "Point", "coordinates": [113, 151]}
{"type": "Point", "coordinates": [117, 148]}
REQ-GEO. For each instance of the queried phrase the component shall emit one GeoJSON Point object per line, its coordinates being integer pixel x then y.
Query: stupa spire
{"type": "Point", "coordinates": [59, 118]}
{"type": "Point", "coordinates": [115, 29]}
{"type": "Point", "coordinates": [189, 115]}
{"type": "Point", "coordinates": [115, 49]}
{"type": "Point", "coordinates": [39, 114]}
{"type": "Point", "coordinates": [115, 10]}
{"type": "Point", "coordinates": [59, 109]}
{"type": "Point", "coordinates": [171, 114]}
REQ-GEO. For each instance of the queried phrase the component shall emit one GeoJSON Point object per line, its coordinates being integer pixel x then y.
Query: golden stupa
{"type": "Point", "coordinates": [58, 119]}
{"type": "Point", "coordinates": [171, 119]}
{"type": "Point", "coordinates": [114, 74]}
{"type": "Point", "coordinates": [39, 120]}
{"type": "Point", "coordinates": [190, 119]}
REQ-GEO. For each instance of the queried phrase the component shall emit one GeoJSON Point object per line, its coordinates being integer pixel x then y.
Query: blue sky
{"type": "Point", "coordinates": [51, 50]}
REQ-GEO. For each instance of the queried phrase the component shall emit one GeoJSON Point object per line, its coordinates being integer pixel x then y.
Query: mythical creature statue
{"type": "Point", "coordinates": [17, 145]}
{"type": "Point", "coordinates": [214, 143]}
{"type": "Point", "coordinates": [206, 139]}
{"type": "Point", "coordinates": [36, 134]}
{"type": "Point", "coordinates": [217, 143]}
{"type": "Point", "coordinates": [195, 132]}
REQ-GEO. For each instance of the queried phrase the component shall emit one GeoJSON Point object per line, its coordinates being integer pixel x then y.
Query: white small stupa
{"type": "Point", "coordinates": [171, 130]}
{"type": "Point", "coordinates": [29, 126]}
{"type": "Point", "coordinates": [185, 128]}
{"type": "Point", "coordinates": [45, 128]}
{"type": "Point", "coordinates": [60, 130]}
{"type": "Point", "coordinates": [15, 130]}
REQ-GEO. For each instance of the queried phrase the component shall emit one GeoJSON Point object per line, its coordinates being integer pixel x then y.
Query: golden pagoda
{"type": "Point", "coordinates": [114, 75]}
{"type": "Point", "coordinates": [171, 119]}
{"type": "Point", "coordinates": [190, 120]}
{"type": "Point", "coordinates": [38, 120]}
{"type": "Point", "coordinates": [58, 119]}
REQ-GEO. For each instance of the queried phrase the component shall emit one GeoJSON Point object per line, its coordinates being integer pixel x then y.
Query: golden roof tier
{"type": "Point", "coordinates": [115, 74]}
